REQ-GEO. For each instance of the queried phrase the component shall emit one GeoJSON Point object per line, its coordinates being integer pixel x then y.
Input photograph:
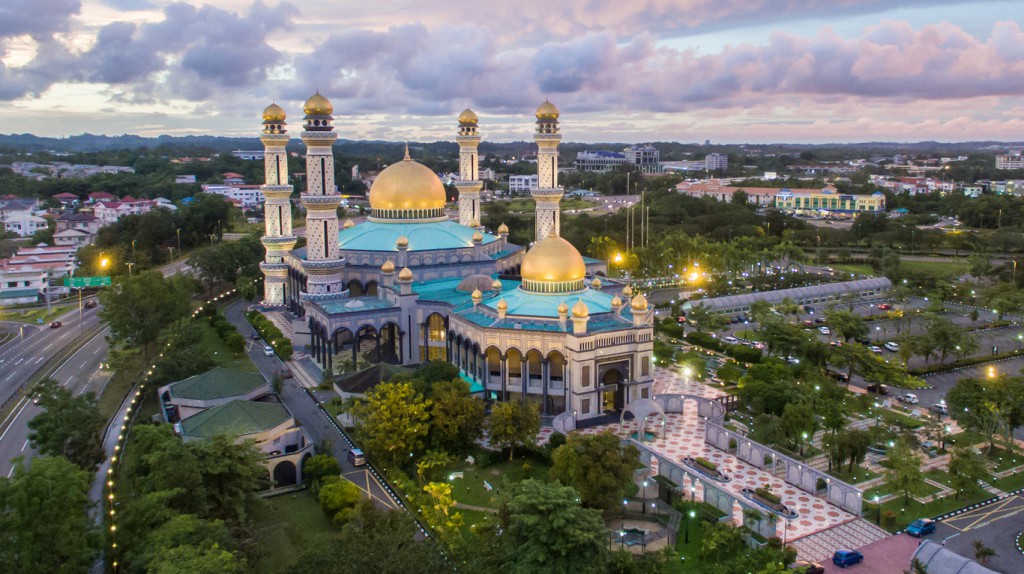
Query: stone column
{"type": "Point", "coordinates": [545, 376]}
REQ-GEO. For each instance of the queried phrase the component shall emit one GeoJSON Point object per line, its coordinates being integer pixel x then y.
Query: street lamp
{"type": "Point", "coordinates": [687, 371]}
{"type": "Point", "coordinates": [804, 436]}
{"type": "Point", "coordinates": [644, 503]}
{"type": "Point", "coordinates": [693, 492]}
{"type": "Point", "coordinates": [689, 515]}
{"type": "Point", "coordinates": [878, 516]}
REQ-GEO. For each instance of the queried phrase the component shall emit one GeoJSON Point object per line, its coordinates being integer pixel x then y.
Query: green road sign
{"type": "Point", "coordinates": [103, 281]}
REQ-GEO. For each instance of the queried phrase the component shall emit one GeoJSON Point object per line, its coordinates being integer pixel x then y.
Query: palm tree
{"type": "Point", "coordinates": [982, 553]}
{"type": "Point", "coordinates": [916, 567]}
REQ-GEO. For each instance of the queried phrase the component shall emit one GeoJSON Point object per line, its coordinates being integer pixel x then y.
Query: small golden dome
{"type": "Point", "coordinates": [547, 111]}
{"type": "Point", "coordinates": [405, 274]}
{"type": "Point", "coordinates": [553, 259]}
{"type": "Point", "coordinates": [596, 283]}
{"type": "Point", "coordinates": [274, 114]}
{"type": "Point", "coordinates": [502, 305]}
{"type": "Point", "coordinates": [349, 223]}
{"type": "Point", "coordinates": [402, 241]}
{"type": "Point", "coordinates": [468, 116]}
{"type": "Point", "coordinates": [563, 309]}
{"type": "Point", "coordinates": [627, 291]}
{"type": "Point", "coordinates": [388, 267]}
{"type": "Point", "coordinates": [502, 229]}
{"type": "Point", "coordinates": [639, 303]}
{"type": "Point", "coordinates": [477, 237]}
{"type": "Point", "coordinates": [318, 105]}
{"type": "Point", "coordinates": [474, 223]}
{"type": "Point", "coordinates": [407, 185]}
{"type": "Point", "coordinates": [616, 302]}
{"type": "Point", "coordinates": [496, 285]}
{"type": "Point", "coordinates": [580, 309]}
{"type": "Point", "coordinates": [477, 296]}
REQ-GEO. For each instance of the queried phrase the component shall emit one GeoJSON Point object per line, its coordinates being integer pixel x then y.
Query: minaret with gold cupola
{"type": "Point", "coordinates": [323, 263]}
{"type": "Point", "coordinates": [277, 239]}
{"type": "Point", "coordinates": [547, 195]}
{"type": "Point", "coordinates": [469, 184]}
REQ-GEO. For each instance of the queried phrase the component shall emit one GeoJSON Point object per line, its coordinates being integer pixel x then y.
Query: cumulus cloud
{"type": "Point", "coordinates": [40, 19]}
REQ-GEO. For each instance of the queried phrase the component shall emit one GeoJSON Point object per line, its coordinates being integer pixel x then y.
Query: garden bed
{"type": "Point", "coordinates": [706, 468]}
{"type": "Point", "coordinates": [769, 501]}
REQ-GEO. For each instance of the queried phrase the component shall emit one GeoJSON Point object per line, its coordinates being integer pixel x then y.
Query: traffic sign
{"type": "Point", "coordinates": [101, 281]}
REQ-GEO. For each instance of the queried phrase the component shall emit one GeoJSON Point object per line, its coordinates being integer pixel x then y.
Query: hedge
{"type": "Point", "coordinates": [969, 362]}
{"type": "Point", "coordinates": [706, 463]}
{"type": "Point", "coordinates": [768, 495]}
{"type": "Point", "coordinates": [703, 340]}
{"type": "Point", "coordinates": [743, 353]}
{"type": "Point", "coordinates": [271, 334]}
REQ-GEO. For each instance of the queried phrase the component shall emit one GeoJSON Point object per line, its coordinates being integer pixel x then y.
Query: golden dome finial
{"type": "Point", "coordinates": [405, 274]}
{"type": "Point", "coordinates": [502, 305]}
{"type": "Point", "coordinates": [274, 113]}
{"type": "Point", "coordinates": [478, 237]}
{"type": "Point", "coordinates": [563, 309]}
{"type": "Point", "coordinates": [547, 111]}
{"type": "Point", "coordinates": [496, 285]}
{"type": "Point", "coordinates": [407, 158]}
{"type": "Point", "coordinates": [349, 223]}
{"type": "Point", "coordinates": [627, 291]}
{"type": "Point", "coordinates": [402, 241]}
{"type": "Point", "coordinates": [388, 267]}
{"type": "Point", "coordinates": [318, 105]}
{"type": "Point", "coordinates": [468, 116]}
{"type": "Point", "coordinates": [596, 283]}
{"type": "Point", "coordinates": [580, 309]}
{"type": "Point", "coordinates": [503, 229]}
{"type": "Point", "coordinates": [639, 303]}
{"type": "Point", "coordinates": [616, 302]}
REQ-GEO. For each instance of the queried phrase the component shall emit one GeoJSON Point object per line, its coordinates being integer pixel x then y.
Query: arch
{"type": "Point", "coordinates": [514, 364]}
{"type": "Point", "coordinates": [355, 288]}
{"type": "Point", "coordinates": [389, 344]}
{"type": "Point", "coordinates": [478, 367]}
{"type": "Point", "coordinates": [371, 288]}
{"type": "Point", "coordinates": [641, 410]}
{"type": "Point", "coordinates": [613, 394]}
{"type": "Point", "coordinates": [534, 368]}
{"type": "Point", "coordinates": [285, 473]}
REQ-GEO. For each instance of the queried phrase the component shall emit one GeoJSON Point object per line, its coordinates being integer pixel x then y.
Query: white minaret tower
{"type": "Point", "coordinates": [469, 184]}
{"type": "Point", "coordinates": [548, 194]}
{"type": "Point", "coordinates": [277, 238]}
{"type": "Point", "coordinates": [323, 263]}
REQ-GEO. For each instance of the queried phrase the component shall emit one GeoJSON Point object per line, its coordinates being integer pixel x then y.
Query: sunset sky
{"type": "Point", "coordinates": [731, 71]}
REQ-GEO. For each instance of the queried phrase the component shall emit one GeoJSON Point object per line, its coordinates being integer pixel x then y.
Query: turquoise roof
{"type": "Point", "coordinates": [428, 236]}
{"type": "Point", "coordinates": [528, 304]}
{"type": "Point", "coordinates": [354, 305]}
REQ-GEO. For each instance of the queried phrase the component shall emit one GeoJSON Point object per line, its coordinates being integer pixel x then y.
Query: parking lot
{"type": "Point", "coordinates": [996, 525]}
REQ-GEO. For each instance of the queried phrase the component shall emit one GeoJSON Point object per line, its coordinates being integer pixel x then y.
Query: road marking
{"type": "Point", "coordinates": [9, 473]}
{"type": "Point", "coordinates": [97, 351]}
{"type": "Point", "coordinates": [69, 381]}
{"type": "Point", "coordinates": [39, 360]}
{"type": "Point", "coordinates": [24, 445]}
{"type": "Point", "coordinates": [987, 514]}
{"type": "Point", "coordinates": [13, 418]}
{"type": "Point", "coordinates": [19, 361]}
{"type": "Point", "coordinates": [84, 363]}
{"type": "Point", "coordinates": [9, 377]}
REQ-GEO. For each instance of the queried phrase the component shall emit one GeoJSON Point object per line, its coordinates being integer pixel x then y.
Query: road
{"type": "Point", "coordinates": [307, 412]}
{"type": "Point", "coordinates": [20, 359]}
{"type": "Point", "coordinates": [997, 525]}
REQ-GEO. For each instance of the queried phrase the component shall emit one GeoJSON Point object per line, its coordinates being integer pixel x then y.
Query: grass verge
{"type": "Point", "coordinates": [37, 316]}
{"type": "Point", "coordinates": [859, 474]}
{"type": "Point", "coordinates": [286, 526]}
{"type": "Point", "coordinates": [909, 512]}
{"type": "Point", "coordinates": [470, 489]}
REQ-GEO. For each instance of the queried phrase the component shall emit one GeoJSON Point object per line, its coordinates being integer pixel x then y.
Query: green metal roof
{"type": "Point", "coordinates": [217, 383]}
{"type": "Point", "coordinates": [427, 236]}
{"type": "Point", "coordinates": [236, 418]}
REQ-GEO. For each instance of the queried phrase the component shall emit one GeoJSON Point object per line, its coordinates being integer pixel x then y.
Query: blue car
{"type": "Point", "coordinates": [921, 527]}
{"type": "Point", "coordinates": [844, 558]}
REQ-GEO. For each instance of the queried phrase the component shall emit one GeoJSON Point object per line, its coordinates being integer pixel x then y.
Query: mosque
{"type": "Point", "coordinates": [409, 284]}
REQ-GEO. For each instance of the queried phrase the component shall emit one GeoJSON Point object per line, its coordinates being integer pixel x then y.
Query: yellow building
{"type": "Point", "coordinates": [828, 200]}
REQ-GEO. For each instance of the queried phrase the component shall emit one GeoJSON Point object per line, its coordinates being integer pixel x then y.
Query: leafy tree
{"type": "Point", "coordinates": [916, 567]}
{"type": "Point", "coordinates": [137, 307]}
{"type": "Point", "coordinates": [438, 511]}
{"type": "Point", "coordinates": [456, 416]}
{"type": "Point", "coordinates": [393, 420]}
{"type": "Point", "coordinates": [906, 475]}
{"type": "Point", "coordinates": [798, 419]}
{"type": "Point", "coordinates": [1008, 400]}
{"type": "Point", "coordinates": [853, 446]}
{"type": "Point", "coordinates": [972, 407]}
{"type": "Point", "coordinates": [433, 459]}
{"type": "Point", "coordinates": [45, 527]}
{"type": "Point", "coordinates": [338, 498]}
{"type": "Point", "coordinates": [550, 531]}
{"type": "Point", "coordinates": [320, 467]}
{"type": "Point", "coordinates": [846, 324]}
{"type": "Point", "coordinates": [966, 468]}
{"type": "Point", "coordinates": [69, 426]}
{"type": "Point", "coordinates": [190, 540]}
{"type": "Point", "coordinates": [192, 559]}
{"type": "Point", "coordinates": [513, 424]}
{"type": "Point", "coordinates": [703, 319]}
{"type": "Point", "coordinates": [183, 353]}
{"type": "Point", "coordinates": [730, 373]}
{"type": "Point", "coordinates": [598, 466]}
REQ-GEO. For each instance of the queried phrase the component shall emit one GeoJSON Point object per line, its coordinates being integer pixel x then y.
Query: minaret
{"type": "Point", "coordinates": [323, 263]}
{"type": "Point", "coordinates": [548, 194]}
{"type": "Point", "coordinates": [277, 238]}
{"type": "Point", "coordinates": [469, 184]}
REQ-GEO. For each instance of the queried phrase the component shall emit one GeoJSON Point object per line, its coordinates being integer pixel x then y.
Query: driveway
{"type": "Point", "coordinates": [997, 525]}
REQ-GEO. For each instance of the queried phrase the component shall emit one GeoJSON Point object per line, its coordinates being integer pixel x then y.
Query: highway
{"type": "Point", "coordinates": [20, 358]}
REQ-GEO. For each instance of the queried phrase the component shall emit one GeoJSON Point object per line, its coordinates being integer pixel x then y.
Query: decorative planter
{"type": "Point", "coordinates": [715, 475]}
{"type": "Point", "coordinates": [769, 505]}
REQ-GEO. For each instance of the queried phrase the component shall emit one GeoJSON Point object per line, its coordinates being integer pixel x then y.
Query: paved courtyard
{"type": "Point", "coordinates": [685, 437]}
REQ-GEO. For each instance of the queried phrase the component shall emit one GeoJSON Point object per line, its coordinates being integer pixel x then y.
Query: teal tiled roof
{"type": "Point", "coordinates": [217, 383]}
{"type": "Point", "coordinates": [429, 236]}
{"type": "Point", "coordinates": [237, 418]}
{"type": "Point", "coordinates": [354, 305]}
{"type": "Point", "coordinates": [528, 304]}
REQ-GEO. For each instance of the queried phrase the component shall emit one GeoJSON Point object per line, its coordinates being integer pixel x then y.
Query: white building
{"type": "Point", "coordinates": [185, 179]}
{"type": "Point", "coordinates": [645, 158]}
{"type": "Point", "coordinates": [1010, 161]}
{"type": "Point", "coordinates": [715, 161]}
{"type": "Point", "coordinates": [248, 154]}
{"type": "Point", "coordinates": [111, 211]}
{"type": "Point", "coordinates": [248, 195]}
{"type": "Point", "coordinates": [21, 215]}
{"type": "Point", "coordinates": [599, 161]}
{"type": "Point", "coordinates": [522, 183]}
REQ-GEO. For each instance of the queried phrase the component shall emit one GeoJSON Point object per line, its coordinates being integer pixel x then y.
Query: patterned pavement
{"type": "Point", "coordinates": [685, 437]}
{"type": "Point", "coordinates": [855, 534]}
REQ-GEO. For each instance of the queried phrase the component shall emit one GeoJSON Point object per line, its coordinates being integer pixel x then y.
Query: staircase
{"type": "Point", "coordinates": [820, 546]}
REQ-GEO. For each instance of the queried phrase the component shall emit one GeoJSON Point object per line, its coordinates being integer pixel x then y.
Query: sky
{"type": "Point", "coordinates": [728, 71]}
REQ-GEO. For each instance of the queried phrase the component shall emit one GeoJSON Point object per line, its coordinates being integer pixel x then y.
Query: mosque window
{"type": "Point", "coordinates": [645, 366]}
{"type": "Point", "coordinates": [586, 376]}
{"type": "Point", "coordinates": [585, 406]}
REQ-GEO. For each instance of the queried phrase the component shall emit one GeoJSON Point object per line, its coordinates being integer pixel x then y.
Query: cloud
{"type": "Point", "coordinates": [40, 19]}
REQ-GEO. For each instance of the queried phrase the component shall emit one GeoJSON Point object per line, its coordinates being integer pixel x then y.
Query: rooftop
{"type": "Point", "coordinates": [425, 236]}
{"type": "Point", "coordinates": [217, 383]}
{"type": "Point", "coordinates": [237, 418]}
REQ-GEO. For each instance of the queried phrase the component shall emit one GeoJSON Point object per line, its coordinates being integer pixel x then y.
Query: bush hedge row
{"type": "Point", "coordinates": [271, 334]}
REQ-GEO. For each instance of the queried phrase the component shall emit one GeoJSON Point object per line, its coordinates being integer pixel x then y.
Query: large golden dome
{"type": "Point", "coordinates": [274, 113]}
{"type": "Point", "coordinates": [547, 111]}
{"type": "Point", "coordinates": [318, 105]}
{"type": "Point", "coordinates": [553, 260]}
{"type": "Point", "coordinates": [468, 116]}
{"type": "Point", "coordinates": [407, 185]}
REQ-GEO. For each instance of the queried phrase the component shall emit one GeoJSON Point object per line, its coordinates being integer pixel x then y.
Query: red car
{"type": "Point", "coordinates": [884, 307]}
{"type": "Point", "coordinates": [56, 325]}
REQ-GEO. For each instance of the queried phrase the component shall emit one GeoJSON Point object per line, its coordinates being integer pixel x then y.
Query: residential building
{"type": "Point", "coordinates": [829, 201]}
{"type": "Point", "coordinates": [232, 178]}
{"type": "Point", "coordinates": [1010, 161]}
{"type": "Point", "coordinates": [251, 155]}
{"type": "Point", "coordinates": [111, 211]}
{"type": "Point", "coordinates": [716, 161]}
{"type": "Point", "coordinates": [21, 284]}
{"type": "Point", "coordinates": [247, 195]}
{"type": "Point", "coordinates": [76, 229]}
{"type": "Point", "coordinates": [522, 183]}
{"type": "Point", "coordinates": [645, 158]}
{"type": "Point", "coordinates": [185, 179]}
{"type": "Point", "coordinates": [713, 188]}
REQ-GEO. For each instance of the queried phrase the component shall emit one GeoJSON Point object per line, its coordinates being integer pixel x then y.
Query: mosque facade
{"type": "Point", "coordinates": [409, 284]}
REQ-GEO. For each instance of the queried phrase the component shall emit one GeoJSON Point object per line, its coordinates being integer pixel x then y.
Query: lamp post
{"type": "Point", "coordinates": [877, 331]}
{"type": "Point", "coordinates": [644, 503]}
{"type": "Point", "coordinates": [179, 241]}
{"type": "Point", "coordinates": [693, 492]}
{"type": "Point", "coordinates": [878, 515]}
{"type": "Point", "coordinates": [689, 515]}
{"type": "Point", "coordinates": [804, 437]}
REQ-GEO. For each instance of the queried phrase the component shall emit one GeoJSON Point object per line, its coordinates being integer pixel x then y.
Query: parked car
{"type": "Point", "coordinates": [940, 408]}
{"type": "Point", "coordinates": [909, 398]}
{"type": "Point", "coordinates": [90, 304]}
{"type": "Point", "coordinates": [893, 346]}
{"type": "Point", "coordinates": [820, 320]}
{"type": "Point", "coordinates": [268, 351]}
{"type": "Point", "coordinates": [808, 323]}
{"type": "Point", "coordinates": [841, 377]}
{"type": "Point", "coordinates": [878, 388]}
{"type": "Point", "coordinates": [844, 558]}
{"type": "Point", "coordinates": [875, 349]}
{"type": "Point", "coordinates": [884, 306]}
{"type": "Point", "coordinates": [808, 567]}
{"type": "Point", "coordinates": [56, 325]}
{"type": "Point", "coordinates": [921, 527]}
{"type": "Point", "coordinates": [254, 336]}
{"type": "Point", "coordinates": [824, 330]}
{"type": "Point", "coordinates": [836, 343]}
{"type": "Point", "coordinates": [730, 340]}
{"type": "Point", "coordinates": [356, 457]}
{"type": "Point", "coordinates": [863, 340]}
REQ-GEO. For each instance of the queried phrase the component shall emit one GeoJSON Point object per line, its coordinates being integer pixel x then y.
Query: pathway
{"type": "Point", "coordinates": [856, 533]}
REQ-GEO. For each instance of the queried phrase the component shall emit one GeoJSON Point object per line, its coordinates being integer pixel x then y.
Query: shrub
{"type": "Point", "coordinates": [768, 495]}
{"type": "Point", "coordinates": [703, 340]}
{"type": "Point", "coordinates": [888, 519]}
{"type": "Point", "coordinates": [706, 463]}
{"type": "Point", "coordinates": [743, 353]}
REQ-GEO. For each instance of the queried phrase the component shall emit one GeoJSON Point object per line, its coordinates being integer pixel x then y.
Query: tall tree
{"type": "Point", "coordinates": [513, 424]}
{"type": "Point", "coordinates": [393, 420]}
{"type": "Point", "coordinates": [550, 531]}
{"type": "Point", "coordinates": [45, 527]}
{"type": "Point", "coordinates": [69, 426]}
{"type": "Point", "coordinates": [138, 307]}
{"type": "Point", "coordinates": [972, 406]}
{"type": "Point", "coordinates": [906, 475]}
{"type": "Point", "coordinates": [598, 466]}
{"type": "Point", "coordinates": [456, 416]}
{"type": "Point", "coordinates": [846, 324]}
{"type": "Point", "coordinates": [966, 468]}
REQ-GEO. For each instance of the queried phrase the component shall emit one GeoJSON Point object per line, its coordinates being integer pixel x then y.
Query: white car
{"type": "Point", "coordinates": [824, 330]}
{"type": "Point", "coordinates": [730, 340]}
{"type": "Point", "coordinates": [910, 399]}
{"type": "Point", "coordinates": [268, 351]}
{"type": "Point", "coordinates": [875, 349]}
{"type": "Point", "coordinates": [893, 346]}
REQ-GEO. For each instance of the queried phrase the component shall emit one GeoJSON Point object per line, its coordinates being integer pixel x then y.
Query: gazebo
{"type": "Point", "coordinates": [642, 409]}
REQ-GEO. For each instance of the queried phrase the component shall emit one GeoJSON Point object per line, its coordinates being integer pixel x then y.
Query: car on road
{"type": "Point", "coordinates": [844, 558]}
{"type": "Point", "coordinates": [875, 349]}
{"type": "Point", "coordinates": [909, 398]}
{"type": "Point", "coordinates": [820, 320]}
{"type": "Point", "coordinates": [878, 388]}
{"type": "Point", "coordinates": [90, 304]}
{"type": "Point", "coordinates": [893, 346]}
{"type": "Point", "coordinates": [824, 330]}
{"type": "Point", "coordinates": [356, 457]}
{"type": "Point", "coordinates": [808, 323]}
{"type": "Point", "coordinates": [254, 336]}
{"type": "Point", "coordinates": [730, 340]}
{"type": "Point", "coordinates": [884, 306]}
{"type": "Point", "coordinates": [56, 325]}
{"type": "Point", "coordinates": [921, 527]}
{"type": "Point", "coordinates": [808, 567]}
{"type": "Point", "coordinates": [940, 408]}
{"type": "Point", "coordinates": [285, 373]}
{"type": "Point", "coordinates": [862, 340]}
{"type": "Point", "coordinates": [268, 351]}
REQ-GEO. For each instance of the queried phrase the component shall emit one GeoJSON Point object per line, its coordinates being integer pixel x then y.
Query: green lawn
{"type": "Point", "coordinates": [287, 525]}
{"type": "Point", "coordinates": [119, 386]}
{"type": "Point", "coordinates": [1003, 460]}
{"type": "Point", "coordinates": [471, 490]}
{"type": "Point", "coordinates": [966, 438]}
{"type": "Point", "coordinates": [923, 490]}
{"type": "Point", "coordinates": [1010, 483]}
{"type": "Point", "coordinates": [938, 269]}
{"type": "Point", "coordinates": [859, 474]}
{"type": "Point", "coordinates": [907, 513]}
{"type": "Point", "coordinates": [855, 268]}
{"type": "Point", "coordinates": [939, 476]}
{"type": "Point", "coordinates": [39, 315]}
{"type": "Point", "coordinates": [687, 552]}
{"type": "Point", "coordinates": [908, 421]}
{"type": "Point", "coordinates": [471, 518]}
{"type": "Point", "coordinates": [221, 355]}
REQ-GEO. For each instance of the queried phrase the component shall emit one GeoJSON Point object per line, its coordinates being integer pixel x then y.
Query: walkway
{"type": "Point", "coordinates": [856, 533]}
